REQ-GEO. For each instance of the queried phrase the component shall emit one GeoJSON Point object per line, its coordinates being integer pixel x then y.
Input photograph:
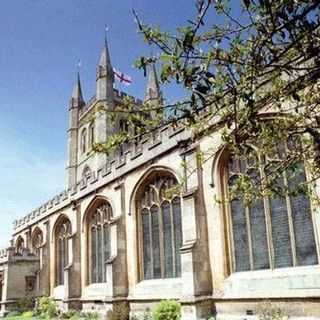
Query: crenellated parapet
{"type": "Point", "coordinates": [118, 97]}
{"type": "Point", "coordinates": [144, 149]}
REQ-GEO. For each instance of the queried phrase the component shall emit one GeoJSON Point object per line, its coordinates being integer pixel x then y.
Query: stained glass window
{"type": "Point", "coordinates": [161, 230]}
{"type": "Point", "coordinates": [99, 238]}
{"type": "Point", "coordinates": [63, 233]}
{"type": "Point", "coordinates": [274, 231]}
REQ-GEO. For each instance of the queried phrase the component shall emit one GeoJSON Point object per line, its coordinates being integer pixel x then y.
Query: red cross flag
{"type": "Point", "coordinates": [122, 77]}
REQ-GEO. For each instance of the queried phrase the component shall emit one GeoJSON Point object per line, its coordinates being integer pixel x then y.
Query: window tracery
{"type": "Point", "coordinates": [37, 241]}
{"type": "Point", "coordinates": [271, 232]}
{"type": "Point", "coordinates": [160, 229]}
{"type": "Point", "coordinates": [20, 246]}
{"type": "Point", "coordinates": [63, 233]}
{"type": "Point", "coordinates": [99, 242]}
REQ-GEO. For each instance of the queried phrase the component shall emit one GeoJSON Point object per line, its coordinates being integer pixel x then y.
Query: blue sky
{"type": "Point", "coordinates": [41, 42]}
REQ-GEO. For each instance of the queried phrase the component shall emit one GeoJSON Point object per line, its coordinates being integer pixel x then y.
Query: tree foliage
{"type": "Point", "coordinates": [250, 69]}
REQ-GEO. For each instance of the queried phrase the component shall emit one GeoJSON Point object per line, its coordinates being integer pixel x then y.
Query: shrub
{"type": "Point", "coordinates": [70, 314]}
{"type": "Point", "coordinates": [25, 304]}
{"type": "Point", "coordinates": [13, 314]}
{"type": "Point", "coordinates": [27, 315]}
{"type": "Point", "coordinates": [91, 315]}
{"type": "Point", "coordinates": [167, 310]}
{"type": "Point", "coordinates": [46, 307]}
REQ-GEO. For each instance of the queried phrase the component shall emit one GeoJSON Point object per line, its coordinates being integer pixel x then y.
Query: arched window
{"type": "Point", "coordinates": [63, 233]}
{"type": "Point", "coordinates": [99, 242]}
{"type": "Point", "coordinates": [91, 134]}
{"type": "Point", "coordinates": [160, 232]}
{"type": "Point", "coordinates": [37, 240]}
{"type": "Point", "coordinates": [86, 173]}
{"type": "Point", "coordinates": [83, 141]}
{"type": "Point", "coordinates": [274, 231]}
{"type": "Point", "coordinates": [20, 245]}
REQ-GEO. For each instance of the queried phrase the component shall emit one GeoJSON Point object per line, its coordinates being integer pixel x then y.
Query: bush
{"type": "Point", "coordinates": [167, 310]}
{"type": "Point", "coordinates": [25, 304]}
{"type": "Point", "coordinates": [46, 307]}
{"type": "Point", "coordinates": [27, 315]}
{"type": "Point", "coordinates": [91, 315]}
{"type": "Point", "coordinates": [70, 314]}
{"type": "Point", "coordinates": [13, 314]}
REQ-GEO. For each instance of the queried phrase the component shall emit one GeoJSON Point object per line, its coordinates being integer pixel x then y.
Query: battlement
{"type": "Point", "coordinates": [138, 152]}
{"type": "Point", "coordinates": [118, 96]}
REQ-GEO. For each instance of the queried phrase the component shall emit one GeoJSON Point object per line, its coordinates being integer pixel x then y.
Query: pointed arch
{"type": "Point", "coordinates": [96, 225]}
{"type": "Point", "coordinates": [36, 240]}
{"type": "Point", "coordinates": [159, 224]}
{"type": "Point", "coordinates": [19, 245]}
{"type": "Point", "coordinates": [144, 178]}
{"type": "Point", "coordinates": [62, 232]}
{"type": "Point", "coordinates": [86, 172]}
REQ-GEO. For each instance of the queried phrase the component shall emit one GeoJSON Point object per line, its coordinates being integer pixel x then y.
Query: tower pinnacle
{"type": "Point", "coordinates": [77, 97]}
{"type": "Point", "coordinates": [153, 88]}
{"type": "Point", "coordinates": [105, 75]}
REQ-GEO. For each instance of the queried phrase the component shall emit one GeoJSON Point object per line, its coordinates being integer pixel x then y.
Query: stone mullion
{"type": "Point", "coordinates": [103, 260]}
{"type": "Point", "coordinates": [97, 254]}
{"type": "Point", "coordinates": [151, 247]}
{"type": "Point", "coordinates": [230, 226]}
{"type": "Point", "coordinates": [161, 246]}
{"type": "Point", "coordinates": [268, 221]}
{"type": "Point", "coordinates": [290, 222]}
{"type": "Point", "coordinates": [247, 214]}
{"type": "Point", "coordinates": [173, 239]}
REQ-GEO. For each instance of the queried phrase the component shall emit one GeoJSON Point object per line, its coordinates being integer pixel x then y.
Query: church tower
{"type": "Point", "coordinates": [76, 102]}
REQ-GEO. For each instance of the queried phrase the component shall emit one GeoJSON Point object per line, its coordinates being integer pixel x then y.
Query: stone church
{"type": "Point", "coordinates": [115, 236]}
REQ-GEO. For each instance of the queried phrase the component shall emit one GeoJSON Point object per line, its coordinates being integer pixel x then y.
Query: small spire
{"type": "Point", "coordinates": [77, 96]}
{"type": "Point", "coordinates": [153, 87]}
{"type": "Point", "coordinates": [105, 56]}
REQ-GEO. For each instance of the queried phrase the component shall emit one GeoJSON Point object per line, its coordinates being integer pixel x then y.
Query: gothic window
{"type": "Point", "coordinates": [37, 241]}
{"type": "Point", "coordinates": [273, 232]}
{"type": "Point", "coordinates": [86, 173]}
{"type": "Point", "coordinates": [159, 213]}
{"type": "Point", "coordinates": [99, 242]}
{"type": "Point", "coordinates": [91, 134]}
{"type": "Point", "coordinates": [83, 141]}
{"type": "Point", "coordinates": [20, 245]}
{"type": "Point", "coordinates": [63, 233]}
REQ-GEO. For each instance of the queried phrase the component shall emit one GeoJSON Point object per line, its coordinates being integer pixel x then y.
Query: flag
{"type": "Point", "coordinates": [122, 77]}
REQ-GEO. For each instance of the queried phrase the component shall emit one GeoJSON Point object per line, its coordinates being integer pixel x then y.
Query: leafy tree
{"type": "Point", "coordinates": [251, 71]}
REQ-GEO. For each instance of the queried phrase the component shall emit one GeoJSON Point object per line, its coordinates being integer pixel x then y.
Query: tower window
{"type": "Point", "coordinates": [83, 141]}
{"type": "Point", "coordinates": [91, 134]}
